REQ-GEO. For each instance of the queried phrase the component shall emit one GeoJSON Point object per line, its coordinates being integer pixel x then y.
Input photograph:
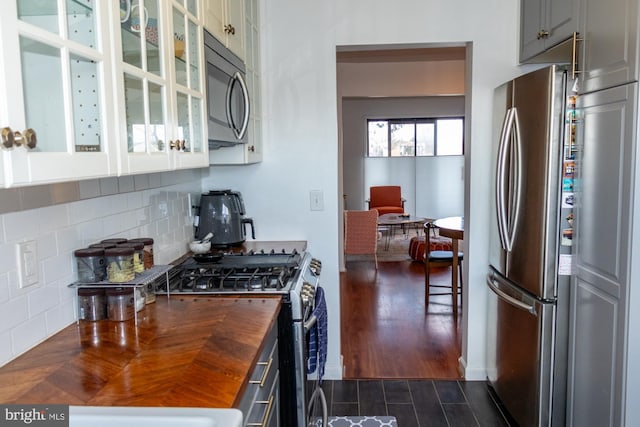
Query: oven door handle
{"type": "Point", "coordinates": [310, 323]}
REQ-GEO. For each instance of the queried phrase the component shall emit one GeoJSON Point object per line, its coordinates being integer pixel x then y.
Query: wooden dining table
{"type": "Point", "coordinates": [452, 227]}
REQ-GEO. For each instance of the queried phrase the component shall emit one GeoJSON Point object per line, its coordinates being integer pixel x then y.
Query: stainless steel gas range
{"type": "Point", "coordinates": [293, 275]}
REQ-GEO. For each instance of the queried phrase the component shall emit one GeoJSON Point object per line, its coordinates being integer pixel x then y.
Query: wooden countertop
{"type": "Point", "coordinates": [188, 351]}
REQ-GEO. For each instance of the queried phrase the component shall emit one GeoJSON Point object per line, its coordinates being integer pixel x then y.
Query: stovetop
{"type": "Point", "coordinates": [249, 272]}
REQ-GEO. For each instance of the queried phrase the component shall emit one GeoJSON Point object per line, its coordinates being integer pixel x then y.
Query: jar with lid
{"type": "Point", "coordinates": [115, 240]}
{"type": "Point", "coordinates": [91, 265]}
{"type": "Point", "coordinates": [119, 264]}
{"type": "Point", "coordinates": [138, 255]}
{"type": "Point", "coordinates": [92, 304]}
{"type": "Point", "coordinates": [148, 250]}
{"type": "Point", "coordinates": [120, 304]}
{"type": "Point", "coordinates": [102, 245]}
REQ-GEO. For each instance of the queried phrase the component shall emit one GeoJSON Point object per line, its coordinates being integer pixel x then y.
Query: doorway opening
{"type": "Point", "coordinates": [401, 82]}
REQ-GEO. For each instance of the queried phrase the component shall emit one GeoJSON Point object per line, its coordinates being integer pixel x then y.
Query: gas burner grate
{"type": "Point", "coordinates": [249, 272]}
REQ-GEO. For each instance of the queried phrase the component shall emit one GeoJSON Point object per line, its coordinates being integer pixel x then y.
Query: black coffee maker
{"type": "Point", "coordinates": [221, 212]}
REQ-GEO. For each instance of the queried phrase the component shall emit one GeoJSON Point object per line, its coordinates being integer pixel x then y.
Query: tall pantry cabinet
{"type": "Point", "coordinates": [604, 372]}
{"type": "Point", "coordinates": [100, 88]}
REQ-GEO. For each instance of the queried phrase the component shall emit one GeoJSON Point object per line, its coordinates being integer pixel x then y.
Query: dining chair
{"type": "Point", "coordinates": [439, 258]}
{"type": "Point", "coordinates": [386, 199]}
{"type": "Point", "coordinates": [361, 233]}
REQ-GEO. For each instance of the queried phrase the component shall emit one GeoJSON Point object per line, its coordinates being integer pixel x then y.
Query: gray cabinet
{"type": "Point", "coordinates": [260, 404]}
{"type": "Point", "coordinates": [600, 290]}
{"type": "Point", "coordinates": [544, 24]}
{"type": "Point", "coordinates": [609, 30]}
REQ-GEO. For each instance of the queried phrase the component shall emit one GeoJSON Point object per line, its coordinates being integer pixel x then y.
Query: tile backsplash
{"type": "Point", "coordinates": [70, 217]}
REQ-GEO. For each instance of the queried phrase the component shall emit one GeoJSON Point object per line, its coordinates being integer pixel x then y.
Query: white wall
{"type": "Point", "coordinates": [301, 135]}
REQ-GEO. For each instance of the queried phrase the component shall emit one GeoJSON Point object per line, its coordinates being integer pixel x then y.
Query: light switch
{"type": "Point", "coordinates": [27, 257]}
{"type": "Point", "coordinates": [317, 200]}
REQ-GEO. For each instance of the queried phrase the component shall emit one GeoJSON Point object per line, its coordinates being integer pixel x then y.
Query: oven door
{"type": "Point", "coordinates": [314, 395]}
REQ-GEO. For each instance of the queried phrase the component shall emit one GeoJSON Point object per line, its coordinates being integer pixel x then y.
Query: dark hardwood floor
{"type": "Point", "coordinates": [386, 331]}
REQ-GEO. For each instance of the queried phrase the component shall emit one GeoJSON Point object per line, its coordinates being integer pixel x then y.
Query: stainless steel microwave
{"type": "Point", "coordinates": [227, 95]}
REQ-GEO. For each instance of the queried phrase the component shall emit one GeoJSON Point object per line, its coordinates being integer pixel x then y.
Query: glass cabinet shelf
{"type": "Point", "coordinates": [48, 7]}
{"type": "Point", "coordinates": [144, 278]}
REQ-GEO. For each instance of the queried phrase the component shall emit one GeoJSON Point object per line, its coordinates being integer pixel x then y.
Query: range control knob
{"type": "Point", "coordinates": [315, 265]}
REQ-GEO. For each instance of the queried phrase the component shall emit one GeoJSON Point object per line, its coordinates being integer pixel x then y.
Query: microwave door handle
{"type": "Point", "coordinates": [239, 133]}
{"type": "Point", "coordinates": [245, 94]}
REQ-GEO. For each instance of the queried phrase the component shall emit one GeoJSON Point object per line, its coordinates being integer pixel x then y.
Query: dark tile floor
{"type": "Point", "coordinates": [416, 402]}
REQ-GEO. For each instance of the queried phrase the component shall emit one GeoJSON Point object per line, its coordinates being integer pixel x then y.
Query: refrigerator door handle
{"type": "Point", "coordinates": [501, 212]}
{"type": "Point", "coordinates": [514, 211]}
{"type": "Point", "coordinates": [508, 298]}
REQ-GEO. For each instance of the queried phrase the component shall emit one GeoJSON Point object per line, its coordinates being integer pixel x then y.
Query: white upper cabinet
{"type": "Point", "coordinates": [544, 24]}
{"type": "Point", "coordinates": [54, 112]}
{"type": "Point", "coordinates": [609, 54]}
{"type": "Point", "coordinates": [160, 86]}
{"type": "Point", "coordinates": [100, 88]}
{"type": "Point", "coordinates": [224, 19]}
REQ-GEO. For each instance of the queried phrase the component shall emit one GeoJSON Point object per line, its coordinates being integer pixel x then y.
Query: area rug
{"type": "Point", "coordinates": [359, 421]}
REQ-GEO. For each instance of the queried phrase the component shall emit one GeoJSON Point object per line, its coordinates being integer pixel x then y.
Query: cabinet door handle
{"type": "Point", "coordinates": [265, 374]}
{"type": "Point", "coordinates": [543, 34]}
{"type": "Point", "coordinates": [229, 29]}
{"type": "Point", "coordinates": [265, 418]}
{"type": "Point", "coordinates": [8, 140]}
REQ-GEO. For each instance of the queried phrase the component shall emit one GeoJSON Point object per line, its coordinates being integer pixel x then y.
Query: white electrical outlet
{"type": "Point", "coordinates": [27, 257]}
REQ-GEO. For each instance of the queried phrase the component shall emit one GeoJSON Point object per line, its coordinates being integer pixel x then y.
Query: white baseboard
{"type": "Point", "coordinates": [470, 374]}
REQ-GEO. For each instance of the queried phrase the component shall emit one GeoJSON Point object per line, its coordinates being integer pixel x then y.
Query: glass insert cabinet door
{"type": "Point", "coordinates": [53, 73]}
{"type": "Point", "coordinates": [144, 75]}
{"type": "Point", "coordinates": [188, 75]}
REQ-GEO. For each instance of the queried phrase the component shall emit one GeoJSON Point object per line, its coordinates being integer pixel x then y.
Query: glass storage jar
{"type": "Point", "coordinates": [120, 304]}
{"type": "Point", "coordinates": [115, 240]}
{"type": "Point", "coordinates": [92, 304]}
{"type": "Point", "coordinates": [119, 264]}
{"type": "Point", "coordinates": [138, 255]}
{"type": "Point", "coordinates": [91, 265]}
{"type": "Point", "coordinates": [102, 245]}
{"type": "Point", "coordinates": [148, 250]}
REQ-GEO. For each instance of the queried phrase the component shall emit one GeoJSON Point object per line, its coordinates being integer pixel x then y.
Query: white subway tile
{"type": "Point", "coordinates": [46, 245]}
{"type": "Point", "coordinates": [68, 239]}
{"type": "Point", "coordinates": [60, 317]}
{"type": "Point", "coordinates": [58, 267]}
{"type": "Point", "coordinates": [7, 257]}
{"type": "Point", "coordinates": [6, 353]}
{"type": "Point", "coordinates": [43, 299]}
{"type": "Point", "coordinates": [4, 288]}
{"type": "Point", "coordinates": [52, 218]}
{"type": "Point", "coordinates": [27, 334]}
{"type": "Point", "coordinates": [20, 226]}
{"type": "Point", "coordinates": [13, 313]}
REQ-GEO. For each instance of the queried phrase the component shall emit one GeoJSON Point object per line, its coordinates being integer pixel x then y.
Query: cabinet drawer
{"type": "Point", "coordinates": [264, 376]}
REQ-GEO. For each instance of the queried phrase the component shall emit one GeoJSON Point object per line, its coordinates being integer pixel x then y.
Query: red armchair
{"type": "Point", "coordinates": [386, 199]}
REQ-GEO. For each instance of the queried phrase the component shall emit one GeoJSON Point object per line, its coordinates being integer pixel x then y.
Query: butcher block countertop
{"type": "Point", "coordinates": [187, 351]}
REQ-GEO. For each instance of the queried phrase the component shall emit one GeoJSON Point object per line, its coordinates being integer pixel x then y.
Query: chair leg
{"type": "Point", "coordinates": [426, 284]}
{"type": "Point", "coordinates": [375, 258]}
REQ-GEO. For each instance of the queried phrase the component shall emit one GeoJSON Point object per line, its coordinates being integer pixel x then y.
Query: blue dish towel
{"type": "Point", "coordinates": [318, 336]}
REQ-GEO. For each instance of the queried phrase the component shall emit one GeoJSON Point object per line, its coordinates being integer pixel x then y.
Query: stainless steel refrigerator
{"type": "Point", "coordinates": [531, 239]}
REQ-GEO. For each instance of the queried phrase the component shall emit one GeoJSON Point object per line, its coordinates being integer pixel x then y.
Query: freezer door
{"type": "Point", "coordinates": [520, 352]}
{"type": "Point", "coordinates": [527, 152]}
